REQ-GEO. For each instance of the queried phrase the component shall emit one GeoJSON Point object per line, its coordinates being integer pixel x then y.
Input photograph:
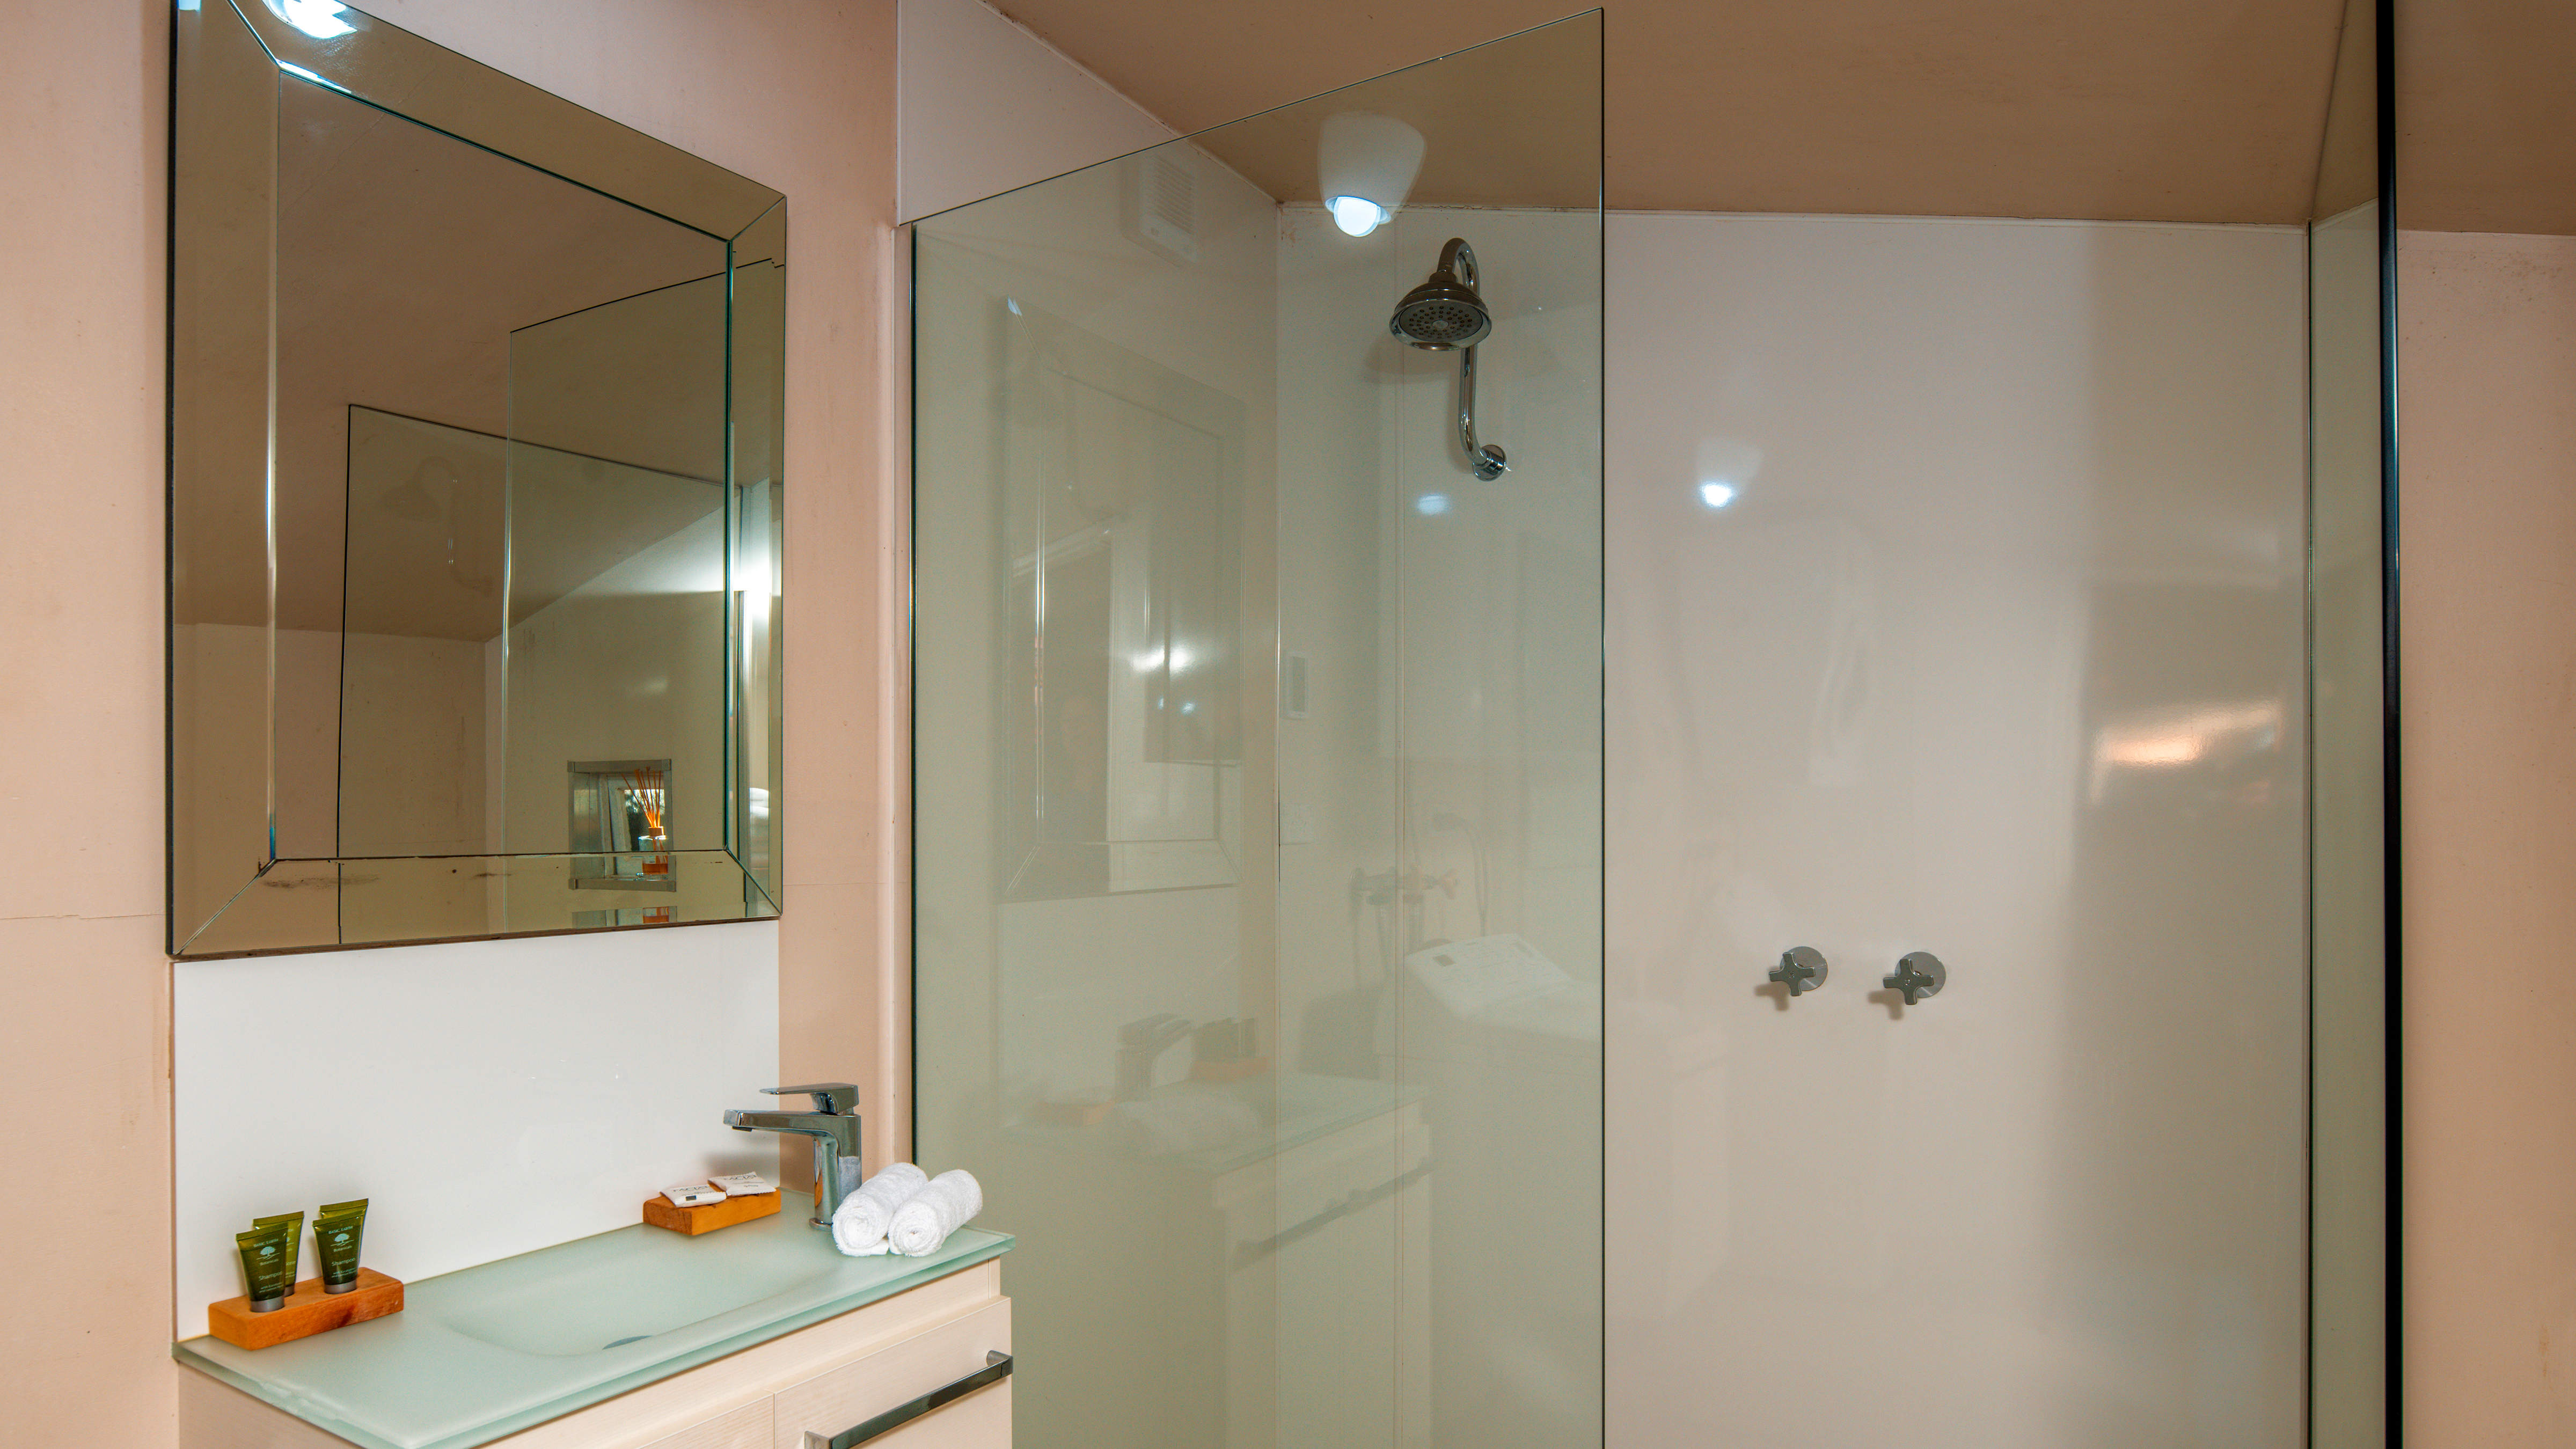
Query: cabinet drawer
{"type": "Point", "coordinates": [744, 1428]}
{"type": "Point", "coordinates": [830, 1403]}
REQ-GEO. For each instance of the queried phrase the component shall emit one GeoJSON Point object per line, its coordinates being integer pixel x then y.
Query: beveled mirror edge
{"type": "Point", "coordinates": [770, 913]}
{"type": "Point", "coordinates": [396, 71]}
{"type": "Point", "coordinates": [755, 454]}
{"type": "Point", "coordinates": [422, 81]}
{"type": "Point", "coordinates": [216, 69]}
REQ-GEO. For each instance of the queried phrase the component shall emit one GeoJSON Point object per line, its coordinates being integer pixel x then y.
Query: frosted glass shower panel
{"type": "Point", "coordinates": [1126, 748]}
{"type": "Point", "coordinates": [1258, 740]}
{"type": "Point", "coordinates": [1092, 477]}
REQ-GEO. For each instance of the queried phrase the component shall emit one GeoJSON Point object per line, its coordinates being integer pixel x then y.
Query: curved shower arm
{"type": "Point", "coordinates": [1459, 260]}
{"type": "Point", "coordinates": [1487, 461]}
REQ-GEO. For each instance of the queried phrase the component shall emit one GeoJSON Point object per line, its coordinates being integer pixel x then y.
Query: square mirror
{"type": "Point", "coordinates": [475, 502]}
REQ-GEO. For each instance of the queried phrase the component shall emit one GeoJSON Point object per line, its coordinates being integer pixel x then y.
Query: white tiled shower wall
{"type": "Point", "coordinates": [1995, 651]}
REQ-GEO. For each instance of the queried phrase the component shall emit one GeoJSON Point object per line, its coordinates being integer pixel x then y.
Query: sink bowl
{"type": "Point", "coordinates": [618, 1289]}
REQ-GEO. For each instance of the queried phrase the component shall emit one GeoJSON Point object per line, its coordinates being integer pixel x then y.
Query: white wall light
{"type": "Point", "coordinates": [1366, 165]}
{"type": "Point", "coordinates": [1716, 494]}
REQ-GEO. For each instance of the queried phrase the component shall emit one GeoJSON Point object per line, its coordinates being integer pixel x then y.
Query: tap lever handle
{"type": "Point", "coordinates": [1801, 969]}
{"type": "Point", "coordinates": [832, 1099]}
{"type": "Point", "coordinates": [1919, 976]}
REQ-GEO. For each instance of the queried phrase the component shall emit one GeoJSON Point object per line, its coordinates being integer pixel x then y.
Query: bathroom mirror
{"type": "Point", "coordinates": [475, 502]}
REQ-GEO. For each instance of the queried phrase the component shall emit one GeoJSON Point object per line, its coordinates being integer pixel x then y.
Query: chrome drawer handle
{"type": "Point", "coordinates": [997, 1367]}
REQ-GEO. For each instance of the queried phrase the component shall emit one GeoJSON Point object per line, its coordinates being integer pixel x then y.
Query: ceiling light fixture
{"type": "Point", "coordinates": [1357, 215]}
{"type": "Point", "coordinates": [1366, 165]}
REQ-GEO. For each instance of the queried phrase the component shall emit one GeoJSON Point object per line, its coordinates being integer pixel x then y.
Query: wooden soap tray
{"type": "Point", "coordinates": [308, 1311]}
{"type": "Point", "coordinates": [661, 1212]}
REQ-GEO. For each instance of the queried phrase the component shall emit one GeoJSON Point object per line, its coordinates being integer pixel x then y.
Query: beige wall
{"type": "Point", "coordinates": [84, 1006]}
{"type": "Point", "coordinates": [798, 96]}
{"type": "Point", "coordinates": [2487, 360]}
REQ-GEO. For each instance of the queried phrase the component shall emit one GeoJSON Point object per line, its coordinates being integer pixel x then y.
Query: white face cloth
{"type": "Point", "coordinates": [859, 1226]}
{"type": "Point", "coordinates": [948, 1203]}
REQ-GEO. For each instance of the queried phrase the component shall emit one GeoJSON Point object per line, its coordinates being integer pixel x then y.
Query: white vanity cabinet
{"type": "Point", "coordinates": [795, 1390]}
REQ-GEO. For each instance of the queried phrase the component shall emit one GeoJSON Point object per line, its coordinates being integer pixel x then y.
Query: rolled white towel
{"type": "Point", "coordinates": [860, 1222]}
{"type": "Point", "coordinates": [950, 1201]}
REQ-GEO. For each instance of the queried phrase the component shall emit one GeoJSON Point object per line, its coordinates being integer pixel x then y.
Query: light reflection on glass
{"type": "Point", "coordinates": [317, 18]}
{"type": "Point", "coordinates": [2171, 738]}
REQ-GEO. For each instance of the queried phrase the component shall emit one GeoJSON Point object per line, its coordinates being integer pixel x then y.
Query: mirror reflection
{"type": "Point", "coordinates": [1125, 478]}
{"type": "Point", "coordinates": [511, 643]}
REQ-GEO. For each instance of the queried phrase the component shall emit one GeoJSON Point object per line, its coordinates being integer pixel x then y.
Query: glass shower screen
{"type": "Point", "coordinates": [1258, 764]}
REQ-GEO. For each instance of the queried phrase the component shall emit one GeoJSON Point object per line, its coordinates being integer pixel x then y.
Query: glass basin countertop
{"type": "Point", "coordinates": [489, 1350]}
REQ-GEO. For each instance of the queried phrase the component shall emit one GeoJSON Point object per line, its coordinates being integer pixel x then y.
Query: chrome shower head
{"type": "Point", "coordinates": [1445, 311]}
{"type": "Point", "coordinates": [1445, 314]}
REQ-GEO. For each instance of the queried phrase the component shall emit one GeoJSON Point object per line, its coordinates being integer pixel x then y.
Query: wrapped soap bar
{"type": "Point", "coordinates": [693, 1194]}
{"type": "Point", "coordinates": [744, 1184]}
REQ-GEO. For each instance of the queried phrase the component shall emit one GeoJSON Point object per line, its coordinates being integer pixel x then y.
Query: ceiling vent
{"type": "Point", "coordinates": [1163, 203]}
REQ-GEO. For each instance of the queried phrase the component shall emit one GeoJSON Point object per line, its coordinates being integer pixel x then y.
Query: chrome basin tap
{"type": "Point", "coordinates": [834, 1126]}
{"type": "Point", "coordinates": [1140, 1044]}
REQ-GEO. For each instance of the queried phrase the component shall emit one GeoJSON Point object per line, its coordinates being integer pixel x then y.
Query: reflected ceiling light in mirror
{"type": "Point", "coordinates": [1365, 166]}
{"type": "Point", "coordinates": [317, 18]}
{"type": "Point", "coordinates": [1431, 505]}
{"type": "Point", "coordinates": [1717, 493]}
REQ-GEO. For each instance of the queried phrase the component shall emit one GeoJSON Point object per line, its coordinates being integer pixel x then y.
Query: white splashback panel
{"type": "Point", "coordinates": [487, 1097]}
{"type": "Point", "coordinates": [1994, 650]}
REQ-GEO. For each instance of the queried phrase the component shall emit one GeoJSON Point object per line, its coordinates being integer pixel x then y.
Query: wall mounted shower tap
{"type": "Point", "coordinates": [1919, 975]}
{"type": "Point", "coordinates": [1801, 969]}
{"type": "Point", "coordinates": [1447, 313]}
